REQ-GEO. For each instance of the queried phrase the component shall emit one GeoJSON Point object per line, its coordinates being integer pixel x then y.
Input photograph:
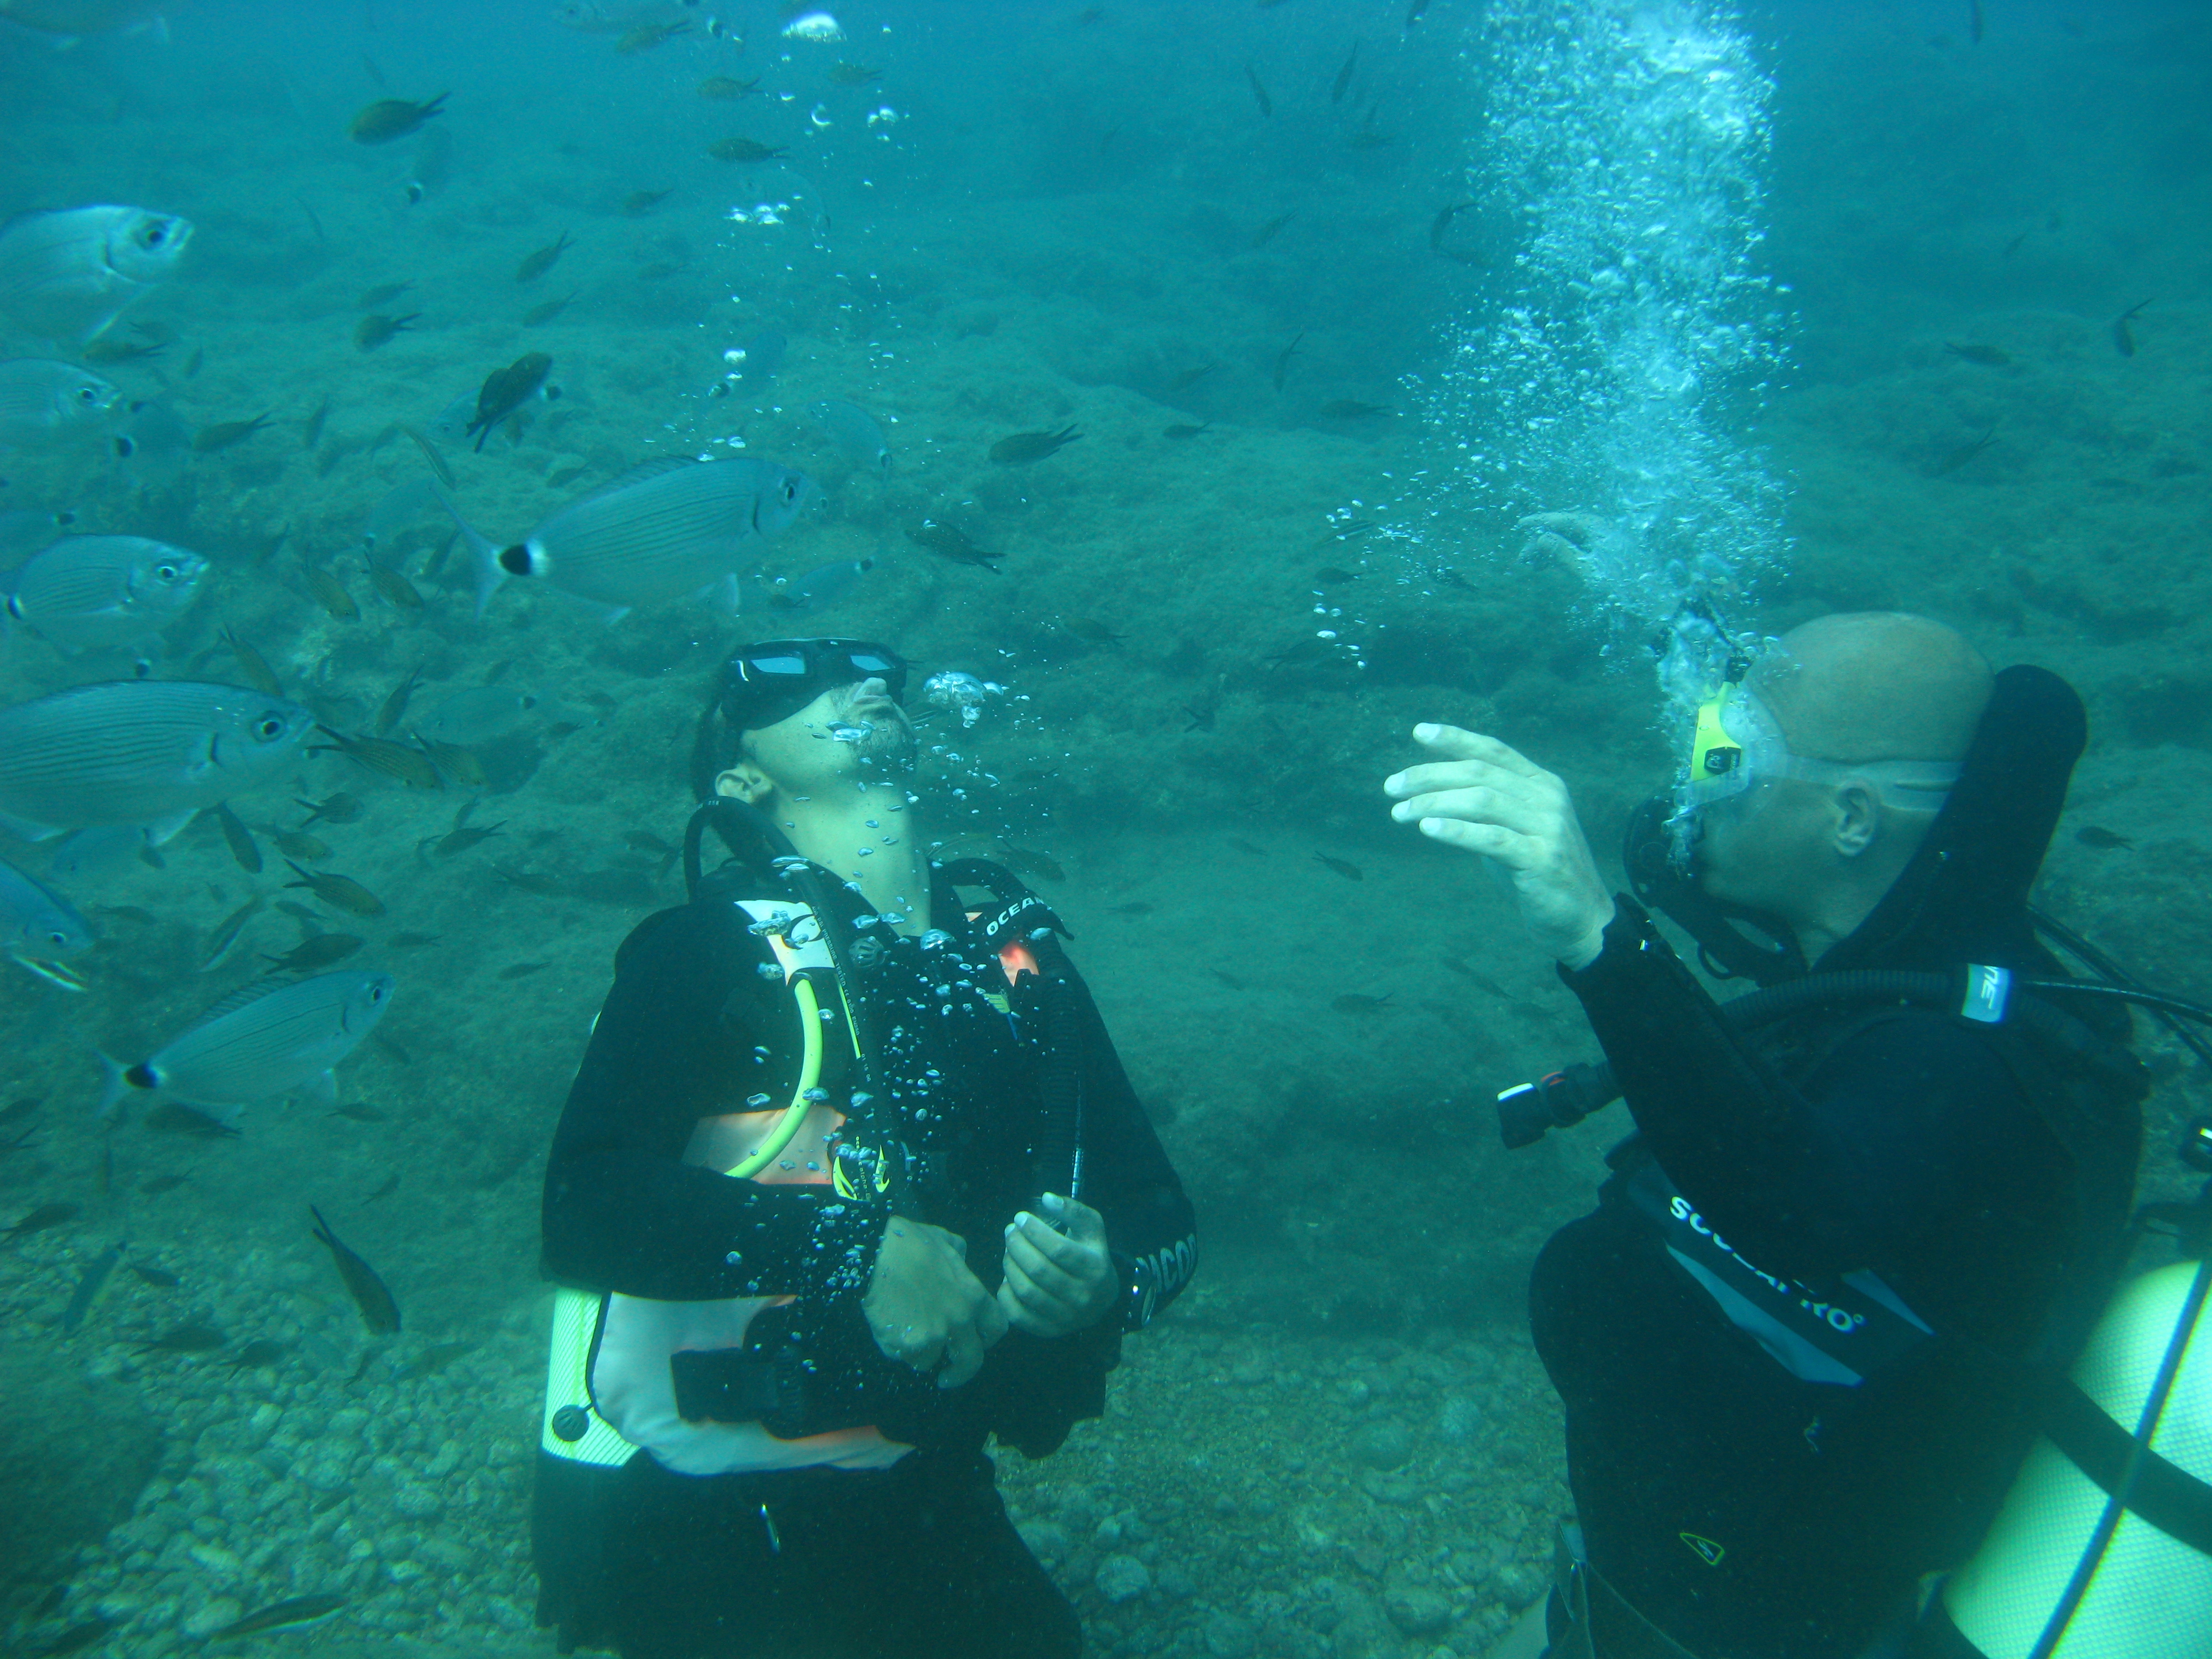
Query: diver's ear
{"type": "Point", "coordinates": [747, 783]}
{"type": "Point", "coordinates": [1858, 819]}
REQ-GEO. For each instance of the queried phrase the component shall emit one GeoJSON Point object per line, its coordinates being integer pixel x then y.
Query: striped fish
{"type": "Point", "coordinates": [39, 927]}
{"type": "Point", "coordinates": [271, 1038]}
{"type": "Point", "coordinates": [66, 276]}
{"type": "Point", "coordinates": [41, 400]}
{"type": "Point", "coordinates": [659, 532]}
{"type": "Point", "coordinates": [139, 752]}
{"type": "Point", "coordinates": [86, 592]}
{"type": "Point", "coordinates": [88, 1288]}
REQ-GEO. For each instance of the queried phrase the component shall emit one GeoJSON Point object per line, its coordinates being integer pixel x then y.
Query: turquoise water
{"type": "Point", "coordinates": [990, 220]}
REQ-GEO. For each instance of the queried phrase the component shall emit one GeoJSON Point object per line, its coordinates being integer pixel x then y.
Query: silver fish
{"type": "Point", "coordinates": [38, 929]}
{"type": "Point", "coordinates": [823, 586]}
{"type": "Point", "coordinates": [146, 752]}
{"type": "Point", "coordinates": [67, 22]}
{"type": "Point", "coordinates": [484, 714]}
{"type": "Point", "coordinates": [661, 531]}
{"type": "Point", "coordinates": [68, 275]}
{"type": "Point", "coordinates": [271, 1038]}
{"type": "Point", "coordinates": [854, 432]}
{"type": "Point", "coordinates": [86, 592]}
{"type": "Point", "coordinates": [42, 399]}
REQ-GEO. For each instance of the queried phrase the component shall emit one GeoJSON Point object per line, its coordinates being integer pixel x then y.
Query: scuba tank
{"type": "Point", "coordinates": [2103, 1548]}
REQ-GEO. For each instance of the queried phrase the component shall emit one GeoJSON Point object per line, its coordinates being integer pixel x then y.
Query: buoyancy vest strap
{"type": "Point", "coordinates": [2170, 1498]}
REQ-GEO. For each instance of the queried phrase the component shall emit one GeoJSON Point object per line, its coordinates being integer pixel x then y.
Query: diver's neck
{"type": "Point", "coordinates": [864, 832]}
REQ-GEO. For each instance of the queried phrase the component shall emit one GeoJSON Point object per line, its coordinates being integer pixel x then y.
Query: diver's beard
{"type": "Point", "coordinates": [889, 749]}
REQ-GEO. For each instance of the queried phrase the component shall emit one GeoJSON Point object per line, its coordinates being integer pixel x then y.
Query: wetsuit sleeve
{"type": "Point", "coordinates": [623, 1212]}
{"type": "Point", "coordinates": [1892, 1151]}
{"type": "Point", "coordinates": [1151, 1227]}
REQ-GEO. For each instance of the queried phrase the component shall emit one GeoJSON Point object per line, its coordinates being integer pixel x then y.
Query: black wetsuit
{"type": "Point", "coordinates": [918, 1560]}
{"type": "Point", "coordinates": [1748, 1512]}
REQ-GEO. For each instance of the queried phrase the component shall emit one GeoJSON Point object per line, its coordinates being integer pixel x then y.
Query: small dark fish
{"type": "Point", "coordinates": [1974, 20]}
{"type": "Point", "coordinates": [310, 955]}
{"type": "Point", "coordinates": [1351, 409]}
{"type": "Point", "coordinates": [646, 36]}
{"type": "Point", "coordinates": [1191, 377]}
{"type": "Point", "coordinates": [378, 1310]}
{"type": "Point", "coordinates": [228, 435]}
{"type": "Point", "coordinates": [1090, 631]}
{"type": "Point", "coordinates": [253, 665]}
{"type": "Point", "coordinates": [507, 390]}
{"type": "Point", "coordinates": [337, 809]}
{"type": "Point", "coordinates": [644, 840]}
{"type": "Point", "coordinates": [546, 310]}
{"type": "Point", "coordinates": [329, 592]}
{"type": "Point", "coordinates": [1358, 1002]}
{"type": "Point", "coordinates": [241, 839]}
{"type": "Point", "coordinates": [1367, 135]}
{"type": "Point", "coordinates": [388, 118]}
{"type": "Point", "coordinates": [340, 892]}
{"type": "Point", "coordinates": [101, 353]}
{"type": "Point", "coordinates": [461, 839]}
{"type": "Point", "coordinates": [845, 74]}
{"type": "Point", "coordinates": [1135, 907]}
{"type": "Point", "coordinates": [1329, 575]}
{"type": "Point", "coordinates": [395, 589]}
{"type": "Point", "coordinates": [45, 1216]}
{"type": "Point", "coordinates": [1965, 453]}
{"type": "Point", "coordinates": [382, 295]}
{"type": "Point", "coordinates": [2090, 835]}
{"type": "Point", "coordinates": [1266, 232]}
{"type": "Point", "coordinates": [432, 1360]}
{"type": "Point", "coordinates": [1987, 356]}
{"type": "Point", "coordinates": [412, 941]}
{"type": "Point", "coordinates": [1343, 83]}
{"type": "Point", "coordinates": [950, 542]}
{"type": "Point", "coordinates": [2124, 337]}
{"type": "Point", "coordinates": [395, 760]}
{"type": "Point", "coordinates": [1266, 103]}
{"type": "Point", "coordinates": [377, 329]}
{"type": "Point", "coordinates": [743, 149]}
{"type": "Point", "coordinates": [1026, 446]}
{"type": "Point", "coordinates": [259, 1355]}
{"type": "Point", "coordinates": [1024, 862]}
{"type": "Point", "coordinates": [639, 203]}
{"type": "Point", "coordinates": [1247, 847]}
{"type": "Point", "coordinates": [1350, 871]}
{"type": "Point", "coordinates": [1183, 430]}
{"type": "Point", "coordinates": [394, 708]}
{"type": "Point", "coordinates": [23, 1108]}
{"type": "Point", "coordinates": [154, 1186]}
{"type": "Point", "coordinates": [1283, 362]}
{"type": "Point", "coordinates": [522, 969]}
{"type": "Point", "coordinates": [173, 1118]}
{"type": "Point", "coordinates": [159, 1277]}
{"type": "Point", "coordinates": [389, 1044]}
{"type": "Point", "coordinates": [1413, 12]}
{"type": "Point", "coordinates": [537, 265]}
{"type": "Point", "coordinates": [283, 1615]}
{"type": "Point", "coordinates": [358, 1112]}
{"type": "Point", "coordinates": [1227, 978]}
{"type": "Point", "coordinates": [532, 881]}
{"type": "Point", "coordinates": [386, 1188]}
{"type": "Point", "coordinates": [195, 1337]}
{"type": "Point", "coordinates": [311, 433]}
{"type": "Point", "coordinates": [721, 89]}
{"type": "Point", "coordinates": [1442, 223]}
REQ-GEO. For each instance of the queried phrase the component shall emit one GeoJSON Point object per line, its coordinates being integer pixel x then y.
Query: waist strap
{"type": "Point", "coordinates": [1600, 1624]}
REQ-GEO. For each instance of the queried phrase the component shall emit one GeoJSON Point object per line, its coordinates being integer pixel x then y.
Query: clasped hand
{"type": "Point", "coordinates": [1489, 799]}
{"type": "Point", "coordinates": [925, 1307]}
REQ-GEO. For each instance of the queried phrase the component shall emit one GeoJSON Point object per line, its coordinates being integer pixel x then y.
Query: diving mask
{"type": "Point", "coordinates": [1737, 743]}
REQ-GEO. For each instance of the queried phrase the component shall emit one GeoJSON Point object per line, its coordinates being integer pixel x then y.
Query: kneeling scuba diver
{"type": "Point", "coordinates": [2102, 1549]}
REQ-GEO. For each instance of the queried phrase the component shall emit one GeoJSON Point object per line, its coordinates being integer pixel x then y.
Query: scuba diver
{"type": "Point", "coordinates": [850, 1179]}
{"type": "Point", "coordinates": [1869, 1215]}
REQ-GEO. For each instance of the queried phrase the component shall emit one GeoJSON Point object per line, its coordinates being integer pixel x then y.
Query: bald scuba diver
{"type": "Point", "coordinates": [1803, 1340]}
{"type": "Point", "coordinates": [850, 1180]}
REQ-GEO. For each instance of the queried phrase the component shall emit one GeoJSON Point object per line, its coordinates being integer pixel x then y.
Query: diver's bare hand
{"type": "Point", "coordinates": [1489, 799]}
{"type": "Point", "coordinates": [924, 1307]}
{"type": "Point", "coordinates": [1057, 1283]}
